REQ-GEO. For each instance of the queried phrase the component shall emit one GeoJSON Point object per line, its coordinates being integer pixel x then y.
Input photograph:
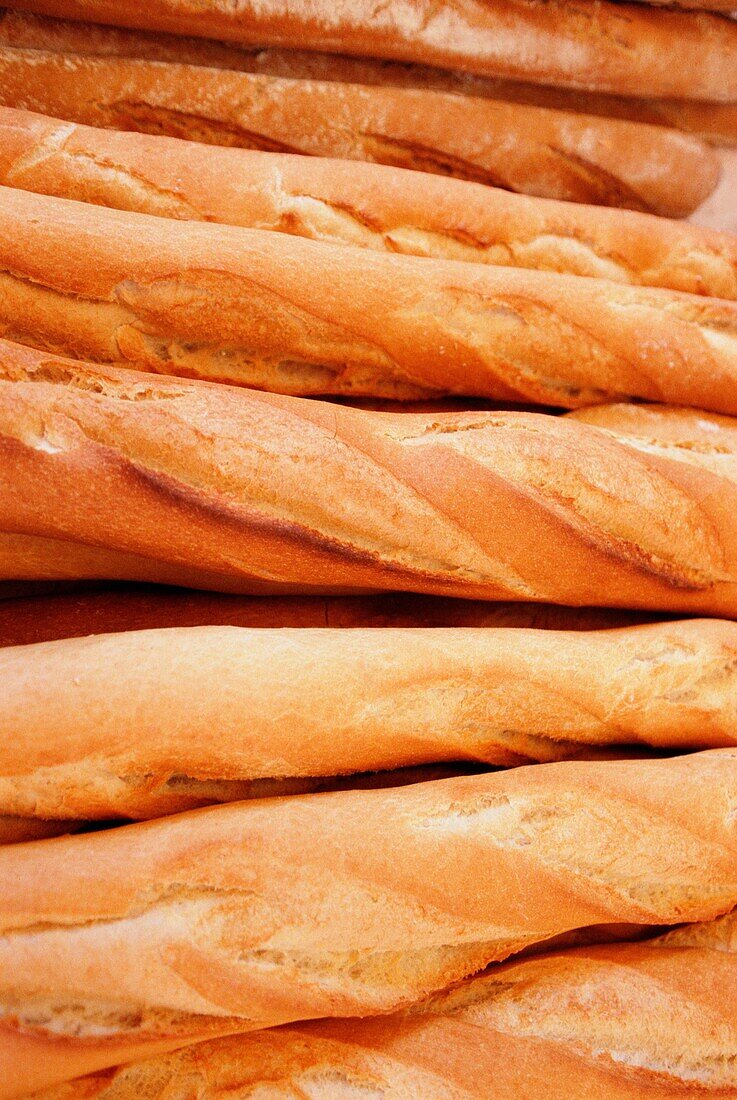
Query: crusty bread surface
{"type": "Point", "coordinates": [537, 150]}
{"type": "Point", "coordinates": [291, 315]}
{"type": "Point", "coordinates": [353, 903]}
{"type": "Point", "coordinates": [121, 725]}
{"type": "Point", "coordinates": [613, 47]}
{"type": "Point", "coordinates": [367, 205]}
{"type": "Point", "coordinates": [649, 1019]}
{"type": "Point", "coordinates": [629, 506]}
{"type": "Point", "coordinates": [715, 121]}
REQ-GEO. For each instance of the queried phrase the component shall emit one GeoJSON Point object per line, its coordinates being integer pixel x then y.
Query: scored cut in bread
{"type": "Point", "coordinates": [237, 917]}
{"type": "Point", "coordinates": [536, 150]}
{"type": "Point", "coordinates": [648, 1019]}
{"type": "Point", "coordinates": [120, 725]}
{"type": "Point", "coordinates": [238, 490]}
{"type": "Point", "coordinates": [629, 49]}
{"type": "Point", "coordinates": [367, 205]}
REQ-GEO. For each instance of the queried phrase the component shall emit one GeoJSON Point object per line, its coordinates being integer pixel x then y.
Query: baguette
{"type": "Point", "coordinates": [648, 1019]}
{"type": "Point", "coordinates": [367, 205]}
{"type": "Point", "coordinates": [611, 47]}
{"type": "Point", "coordinates": [354, 903]}
{"type": "Point", "coordinates": [584, 158]}
{"type": "Point", "coordinates": [168, 592]}
{"type": "Point", "coordinates": [45, 617]}
{"type": "Point", "coordinates": [30, 559]}
{"type": "Point", "coordinates": [302, 704]}
{"type": "Point", "coordinates": [16, 829]}
{"type": "Point", "coordinates": [717, 122]}
{"type": "Point", "coordinates": [272, 494]}
{"type": "Point", "coordinates": [286, 314]}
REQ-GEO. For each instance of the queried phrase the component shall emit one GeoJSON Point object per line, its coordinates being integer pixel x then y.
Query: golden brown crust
{"type": "Point", "coordinates": [28, 559]}
{"type": "Point", "coordinates": [653, 426]}
{"type": "Point", "coordinates": [612, 47]}
{"type": "Point", "coordinates": [120, 725]}
{"type": "Point", "coordinates": [518, 147]}
{"type": "Point", "coordinates": [651, 1019]}
{"type": "Point", "coordinates": [349, 903]}
{"type": "Point", "coordinates": [70, 565]}
{"type": "Point", "coordinates": [268, 493]}
{"type": "Point", "coordinates": [366, 205]}
{"type": "Point", "coordinates": [717, 122]}
{"type": "Point", "coordinates": [286, 314]}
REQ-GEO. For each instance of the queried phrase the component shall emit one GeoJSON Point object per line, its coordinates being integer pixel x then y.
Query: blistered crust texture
{"type": "Point", "coordinates": [541, 151]}
{"type": "Point", "coordinates": [293, 707]}
{"type": "Point", "coordinates": [653, 1018]}
{"type": "Point", "coordinates": [360, 204]}
{"type": "Point", "coordinates": [635, 508]}
{"type": "Point", "coordinates": [609, 47]}
{"type": "Point", "coordinates": [225, 918]}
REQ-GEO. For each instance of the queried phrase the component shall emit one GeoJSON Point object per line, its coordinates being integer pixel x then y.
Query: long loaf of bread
{"type": "Point", "coordinates": [263, 493]}
{"type": "Point", "coordinates": [27, 560]}
{"type": "Point", "coordinates": [542, 151]}
{"type": "Point", "coordinates": [352, 903]}
{"type": "Point", "coordinates": [31, 566]}
{"type": "Point", "coordinates": [715, 121]}
{"type": "Point", "coordinates": [651, 1019]}
{"type": "Point", "coordinates": [296, 316]}
{"type": "Point", "coordinates": [367, 205]}
{"type": "Point", "coordinates": [78, 742]}
{"type": "Point", "coordinates": [30, 558]}
{"type": "Point", "coordinates": [622, 48]}
{"type": "Point", "coordinates": [19, 829]}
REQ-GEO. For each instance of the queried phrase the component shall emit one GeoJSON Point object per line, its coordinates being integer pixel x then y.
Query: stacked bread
{"type": "Point", "coordinates": [461, 89]}
{"type": "Point", "coordinates": [368, 550]}
{"type": "Point", "coordinates": [478, 1038]}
